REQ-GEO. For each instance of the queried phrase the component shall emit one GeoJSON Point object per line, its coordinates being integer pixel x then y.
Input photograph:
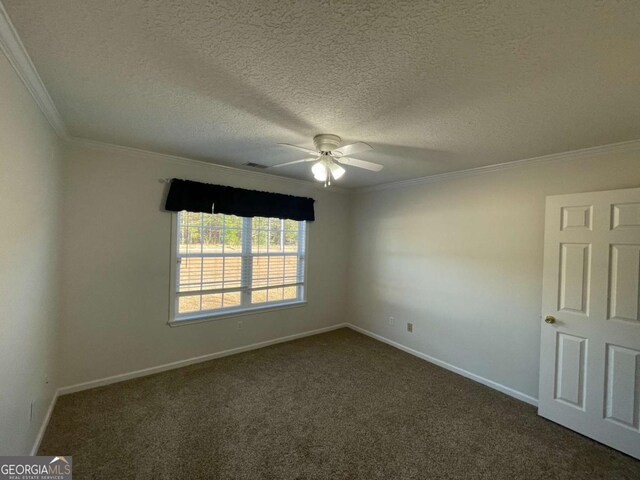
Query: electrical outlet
{"type": "Point", "coordinates": [410, 327]}
{"type": "Point", "coordinates": [392, 321]}
{"type": "Point", "coordinates": [240, 325]}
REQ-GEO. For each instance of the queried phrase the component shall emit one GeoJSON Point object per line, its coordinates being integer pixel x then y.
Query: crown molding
{"type": "Point", "coordinates": [583, 153]}
{"type": "Point", "coordinates": [17, 55]}
{"type": "Point", "coordinates": [268, 177]}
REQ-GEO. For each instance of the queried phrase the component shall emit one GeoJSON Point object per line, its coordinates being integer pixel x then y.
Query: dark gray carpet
{"type": "Point", "coordinates": [333, 406]}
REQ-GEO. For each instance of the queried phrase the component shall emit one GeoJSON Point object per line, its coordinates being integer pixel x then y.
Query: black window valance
{"type": "Point", "coordinates": [207, 198]}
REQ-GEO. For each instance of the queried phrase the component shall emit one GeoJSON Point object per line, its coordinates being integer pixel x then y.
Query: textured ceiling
{"type": "Point", "coordinates": [433, 86]}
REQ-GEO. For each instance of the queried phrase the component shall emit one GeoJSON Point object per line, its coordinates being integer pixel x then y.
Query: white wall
{"type": "Point", "coordinates": [462, 260]}
{"type": "Point", "coordinates": [117, 258]}
{"type": "Point", "coordinates": [29, 200]}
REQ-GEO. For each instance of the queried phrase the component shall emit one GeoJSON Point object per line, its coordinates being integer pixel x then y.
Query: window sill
{"type": "Point", "coordinates": [239, 313]}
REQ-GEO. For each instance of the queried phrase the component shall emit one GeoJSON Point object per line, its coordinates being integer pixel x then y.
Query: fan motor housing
{"type": "Point", "coordinates": [326, 142]}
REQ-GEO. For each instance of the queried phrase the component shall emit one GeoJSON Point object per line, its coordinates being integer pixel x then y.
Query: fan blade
{"type": "Point", "coordinates": [354, 162]}
{"type": "Point", "coordinates": [294, 162]}
{"type": "Point", "coordinates": [357, 147]}
{"type": "Point", "coordinates": [306, 150]}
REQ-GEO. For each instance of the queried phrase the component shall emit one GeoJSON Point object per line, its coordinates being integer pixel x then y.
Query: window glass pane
{"type": "Point", "coordinates": [189, 240]}
{"type": "Point", "coordinates": [259, 235]}
{"type": "Point", "coordinates": [291, 240]}
{"type": "Point", "coordinates": [211, 301]}
{"type": "Point", "coordinates": [190, 274]}
{"type": "Point", "coordinates": [259, 223]}
{"type": "Point", "coordinates": [232, 234]}
{"type": "Point", "coordinates": [275, 223]}
{"type": "Point", "coordinates": [259, 296]}
{"type": "Point", "coordinates": [232, 299]}
{"type": "Point", "coordinates": [260, 277]}
{"type": "Point", "coordinates": [275, 294]}
{"type": "Point", "coordinates": [290, 293]}
{"type": "Point", "coordinates": [276, 241]}
{"type": "Point", "coordinates": [232, 272]}
{"type": "Point", "coordinates": [231, 221]}
{"type": "Point", "coordinates": [259, 241]}
{"type": "Point", "coordinates": [291, 269]}
{"type": "Point", "coordinates": [212, 220]}
{"type": "Point", "coordinates": [191, 218]}
{"type": "Point", "coordinates": [291, 225]}
{"type": "Point", "coordinates": [189, 304]}
{"type": "Point", "coordinates": [276, 270]}
{"type": "Point", "coordinates": [212, 240]}
{"type": "Point", "coordinates": [212, 273]}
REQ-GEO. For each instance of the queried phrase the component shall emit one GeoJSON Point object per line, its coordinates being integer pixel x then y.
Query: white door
{"type": "Point", "coordinates": [590, 340]}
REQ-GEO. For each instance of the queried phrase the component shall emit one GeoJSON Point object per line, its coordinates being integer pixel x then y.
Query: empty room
{"type": "Point", "coordinates": [285, 239]}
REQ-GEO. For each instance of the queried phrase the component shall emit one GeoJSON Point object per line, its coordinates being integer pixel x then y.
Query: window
{"type": "Point", "coordinates": [227, 264]}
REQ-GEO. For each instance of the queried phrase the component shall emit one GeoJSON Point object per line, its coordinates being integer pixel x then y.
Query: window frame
{"type": "Point", "coordinates": [199, 317]}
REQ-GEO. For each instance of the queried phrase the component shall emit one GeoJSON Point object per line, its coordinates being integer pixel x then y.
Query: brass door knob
{"type": "Point", "coordinates": [550, 319]}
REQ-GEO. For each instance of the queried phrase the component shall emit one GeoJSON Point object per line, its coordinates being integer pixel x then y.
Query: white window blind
{"type": "Point", "coordinates": [225, 263]}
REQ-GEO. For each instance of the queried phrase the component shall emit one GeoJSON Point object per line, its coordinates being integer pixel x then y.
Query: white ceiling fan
{"type": "Point", "coordinates": [329, 154]}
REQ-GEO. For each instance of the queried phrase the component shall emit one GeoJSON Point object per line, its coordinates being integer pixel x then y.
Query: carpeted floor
{"type": "Point", "coordinates": [334, 406]}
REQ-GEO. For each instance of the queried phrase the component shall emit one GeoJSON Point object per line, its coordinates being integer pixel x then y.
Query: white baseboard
{"type": "Point", "coordinates": [189, 361]}
{"type": "Point", "coordinates": [45, 423]}
{"type": "Point", "coordinates": [485, 381]}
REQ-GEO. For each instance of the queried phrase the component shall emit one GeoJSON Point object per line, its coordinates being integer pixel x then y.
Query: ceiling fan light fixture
{"type": "Point", "coordinates": [319, 171]}
{"type": "Point", "coordinates": [336, 170]}
{"type": "Point", "coordinates": [329, 154]}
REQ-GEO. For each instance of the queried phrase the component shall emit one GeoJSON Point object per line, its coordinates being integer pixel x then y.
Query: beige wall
{"type": "Point", "coordinates": [462, 260]}
{"type": "Point", "coordinates": [29, 199]}
{"type": "Point", "coordinates": [117, 258]}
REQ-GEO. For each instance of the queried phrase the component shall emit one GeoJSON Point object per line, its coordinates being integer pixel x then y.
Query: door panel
{"type": "Point", "coordinates": [590, 348]}
{"type": "Point", "coordinates": [575, 261]}
{"type": "Point", "coordinates": [624, 300]}
{"type": "Point", "coordinates": [625, 215]}
{"type": "Point", "coordinates": [577, 218]}
{"type": "Point", "coordinates": [570, 369]}
{"type": "Point", "coordinates": [623, 386]}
